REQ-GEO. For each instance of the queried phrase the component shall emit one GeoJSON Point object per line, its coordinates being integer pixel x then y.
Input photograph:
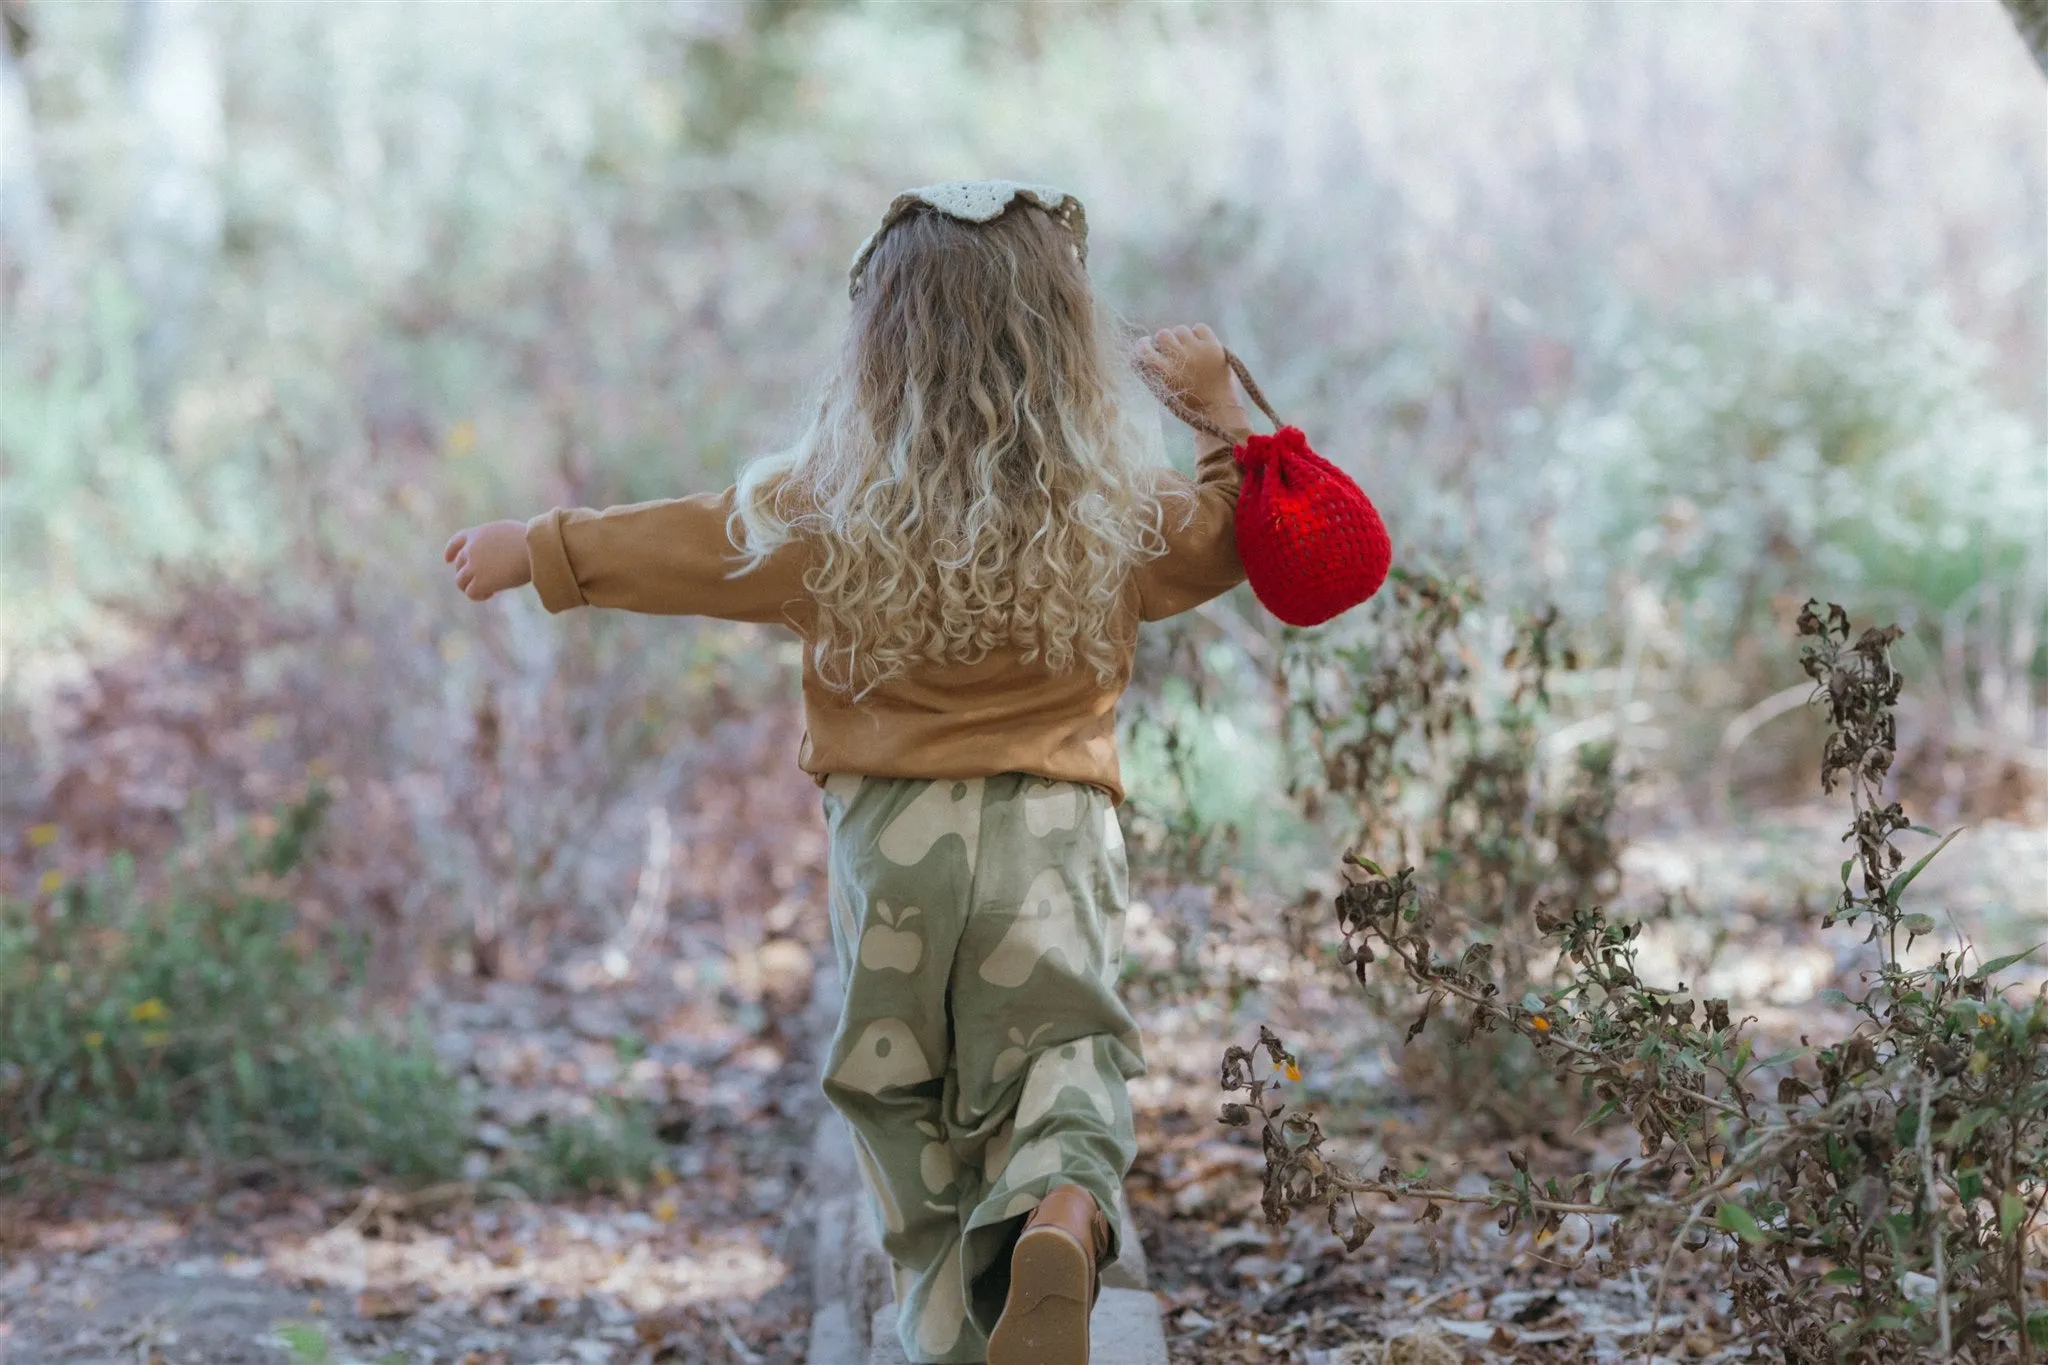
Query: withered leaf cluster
{"type": "Point", "coordinates": [1874, 1192]}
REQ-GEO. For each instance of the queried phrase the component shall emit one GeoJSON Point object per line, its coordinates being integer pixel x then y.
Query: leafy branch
{"type": "Point", "coordinates": [1874, 1196]}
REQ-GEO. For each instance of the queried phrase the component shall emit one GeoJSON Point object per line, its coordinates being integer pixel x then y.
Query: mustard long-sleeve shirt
{"type": "Point", "coordinates": [1001, 715]}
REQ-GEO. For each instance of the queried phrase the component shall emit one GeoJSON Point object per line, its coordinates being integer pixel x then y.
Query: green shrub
{"type": "Point", "coordinates": [200, 1022]}
{"type": "Point", "coordinates": [614, 1146]}
{"type": "Point", "coordinates": [1760, 443]}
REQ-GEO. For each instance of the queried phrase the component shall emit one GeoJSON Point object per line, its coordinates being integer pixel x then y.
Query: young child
{"type": "Point", "coordinates": [966, 538]}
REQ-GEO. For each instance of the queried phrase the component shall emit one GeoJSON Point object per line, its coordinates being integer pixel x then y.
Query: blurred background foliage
{"type": "Point", "coordinates": [1669, 315]}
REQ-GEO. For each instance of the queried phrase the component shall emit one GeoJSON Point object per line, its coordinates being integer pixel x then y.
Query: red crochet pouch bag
{"type": "Point", "coordinates": [1311, 542]}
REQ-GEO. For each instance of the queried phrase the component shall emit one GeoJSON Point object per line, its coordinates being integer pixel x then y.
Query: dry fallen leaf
{"type": "Point", "coordinates": [388, 1301]}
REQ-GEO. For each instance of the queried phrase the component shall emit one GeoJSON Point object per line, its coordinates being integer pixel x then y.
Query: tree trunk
{"type": "Point", "coordinates": [2030, 17]}
{"type": "Point", "coordinates": [31, 250]}
{"type": "Point", "coordinates": [174, 233]}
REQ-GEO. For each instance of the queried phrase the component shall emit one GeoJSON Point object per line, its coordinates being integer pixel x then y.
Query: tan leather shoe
{"type": "Point", "coordinates": [1053, 1279]}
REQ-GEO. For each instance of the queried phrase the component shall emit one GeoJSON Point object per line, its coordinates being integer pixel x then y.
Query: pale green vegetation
{"type": "Point", "coordinates": [1672, 315]}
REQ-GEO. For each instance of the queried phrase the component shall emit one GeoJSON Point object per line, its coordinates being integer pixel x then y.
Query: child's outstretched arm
{"type": "Point", "coordinates": [668, 558]}
{"type": "Point", "coordinates": [489, 559]}
{"type": "Point", "coordinates": [1201, 557]}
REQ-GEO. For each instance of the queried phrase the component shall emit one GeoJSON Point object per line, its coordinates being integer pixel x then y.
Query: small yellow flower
{"type": "Point", "coordinates": [50, 882]}
{"type": "Point", "coordinates": [95, 1038]}
{"type": "Point", "coordinates": [664, 1177]}
{"type": "Point", "coordinates": [148, 1012]}
{"type": "Point", "coordinates": [1539, 1023]}
{"type": "Point", "coordinates": [155, 1037]}
{"type": "Point", "coordinates": [1984, 1019]}
{"type": "Point", "coordinates": [42, 836]}
{"type": "Point", "coordinates": [1293, 1072]}
{"type": "Point", "coordinates": [666, 1208]}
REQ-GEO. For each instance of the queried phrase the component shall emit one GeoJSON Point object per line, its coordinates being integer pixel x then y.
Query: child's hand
{"type": "Point", "coordinates": [1190, 362]}
{"type": "Point", "coordinates": [490, 559]}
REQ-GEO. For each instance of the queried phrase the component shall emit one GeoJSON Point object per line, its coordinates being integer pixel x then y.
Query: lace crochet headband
{"type": "Point", "coordinates": [973, 201]}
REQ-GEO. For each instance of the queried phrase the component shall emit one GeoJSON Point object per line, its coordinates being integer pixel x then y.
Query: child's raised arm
{"type": "Point", "coordinates": [1201, 556]}
{"type": "Point", "coordinates": [667, 558]}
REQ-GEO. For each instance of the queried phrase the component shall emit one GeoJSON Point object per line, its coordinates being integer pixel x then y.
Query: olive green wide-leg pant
{"type": "Point", "coordinates": [982, 1053]}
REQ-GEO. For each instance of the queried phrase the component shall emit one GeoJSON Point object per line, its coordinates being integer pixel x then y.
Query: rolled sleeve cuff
{"type": "Point", "coordinates": [1216, 463]}
{"type": "Point", "coordinates": [553, 578]}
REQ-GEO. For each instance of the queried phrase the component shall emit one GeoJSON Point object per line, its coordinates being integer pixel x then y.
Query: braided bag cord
{"type": "Point", "coordinates": [1312, 544]}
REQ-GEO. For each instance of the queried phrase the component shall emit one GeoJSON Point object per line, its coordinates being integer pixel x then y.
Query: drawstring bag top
{"type": "Point", "coordinates": [1312, 544]}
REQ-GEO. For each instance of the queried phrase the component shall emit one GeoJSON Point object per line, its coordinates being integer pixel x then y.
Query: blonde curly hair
{"type": "Point", "coordinates": [982, 468]}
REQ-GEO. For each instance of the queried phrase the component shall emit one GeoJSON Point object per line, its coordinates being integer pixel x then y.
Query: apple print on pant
{"type": "Point", "coordinates": [1054, 805]}
{"type": "Point", "coordinates": [889, 946]}
{"type": "Point", "coordinates": [1046, 924]}
{"type": "Point", "coordinates": [1012, 1058]}
{"type": "Point", "coordinates": [1069, 1067]}
{"type": "Point", "coordinates": [887, 1056]}
{"type": "Point", "coordinates": [935, 1162]}
{"type": "Point", "coordinates": [942, 808]}
{"type": "Point", "coordinates": [996, 1155]}
{"type": "Point", "coordinates": [1033, 1161]}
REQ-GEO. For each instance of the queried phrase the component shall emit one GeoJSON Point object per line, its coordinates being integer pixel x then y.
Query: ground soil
{"type": "Point", "coordinates": [183, 1266]}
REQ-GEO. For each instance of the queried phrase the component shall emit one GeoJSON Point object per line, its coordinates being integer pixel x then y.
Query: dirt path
{"type": "Point", "coordinates": [711, 1266]}
{"type": "Point", "coordinates": [703, 1263]}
